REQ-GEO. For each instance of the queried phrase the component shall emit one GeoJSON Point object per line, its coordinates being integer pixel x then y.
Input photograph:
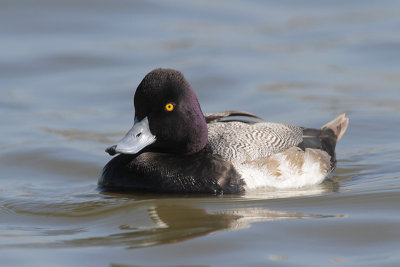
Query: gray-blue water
{"type": "Point", "coordinates": [68, 71]}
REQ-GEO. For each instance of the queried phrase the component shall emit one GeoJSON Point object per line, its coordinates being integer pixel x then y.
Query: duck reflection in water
{"type": "Point", "coordinates": [173, 222]}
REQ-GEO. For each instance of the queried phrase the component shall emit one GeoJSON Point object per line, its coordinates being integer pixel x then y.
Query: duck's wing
{"type": "Point", "coordinates": [217, 117]}
{"type": "Point", "coordinates": [242, 142]}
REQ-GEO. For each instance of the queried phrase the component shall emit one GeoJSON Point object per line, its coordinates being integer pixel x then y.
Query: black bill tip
{"type": "Point", "coordinates": [111, 150]}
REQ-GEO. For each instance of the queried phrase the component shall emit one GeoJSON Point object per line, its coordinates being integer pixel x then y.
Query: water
{"type": "Point", "coordinates": [68, 72]}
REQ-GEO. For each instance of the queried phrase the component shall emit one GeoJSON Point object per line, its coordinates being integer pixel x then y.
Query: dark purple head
{"type": "Point", "coordinates": [168, 117]}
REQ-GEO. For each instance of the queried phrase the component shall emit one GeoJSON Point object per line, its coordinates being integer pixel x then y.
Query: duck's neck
{"type": "Point", "coordinates": [197, 131]}
{"type": "Point", "coordinates": [198, 138]}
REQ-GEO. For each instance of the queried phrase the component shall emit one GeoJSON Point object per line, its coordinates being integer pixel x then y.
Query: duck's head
{"type": "Point", "coordinates": [168, 117]}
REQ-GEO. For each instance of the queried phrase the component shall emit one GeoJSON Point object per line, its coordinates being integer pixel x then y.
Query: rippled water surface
{"type": "Point", "coordinates": [68, 72]}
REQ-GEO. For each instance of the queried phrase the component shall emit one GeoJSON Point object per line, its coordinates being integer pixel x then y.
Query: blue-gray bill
{"type": "Point", "coordinates": [135, 140]}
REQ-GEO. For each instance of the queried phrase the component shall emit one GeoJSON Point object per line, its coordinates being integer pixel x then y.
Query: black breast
{"type": "Point", "coordinates": [201, 172]}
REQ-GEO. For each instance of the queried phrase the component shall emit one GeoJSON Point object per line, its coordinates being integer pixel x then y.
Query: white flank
{"type": "Point", "coordinates": [291, 176]}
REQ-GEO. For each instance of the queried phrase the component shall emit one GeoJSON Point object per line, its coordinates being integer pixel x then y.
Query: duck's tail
{"type": "Point", "coordinates": [338, 126]}
{"type": "Point", "coordinates": [326, 137]}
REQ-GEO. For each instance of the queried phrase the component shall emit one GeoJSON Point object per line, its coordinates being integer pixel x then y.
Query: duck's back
{"type": "Point", "coordinates": [241, 142]}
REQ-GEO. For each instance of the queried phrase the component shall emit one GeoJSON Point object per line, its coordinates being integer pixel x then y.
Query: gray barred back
{"type": "Point", "coordinates": [241, 142]}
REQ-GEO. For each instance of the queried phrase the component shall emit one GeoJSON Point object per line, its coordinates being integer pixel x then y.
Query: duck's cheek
{"type": "Point", "coordinates": [135, 140]}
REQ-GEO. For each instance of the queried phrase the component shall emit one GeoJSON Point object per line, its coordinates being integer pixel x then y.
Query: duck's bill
{"type": "Point", "coordinates": [135, 140]}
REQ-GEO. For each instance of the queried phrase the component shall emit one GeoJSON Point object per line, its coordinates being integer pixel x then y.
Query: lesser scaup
{"type": "Point", "coordinates": [174, 148]}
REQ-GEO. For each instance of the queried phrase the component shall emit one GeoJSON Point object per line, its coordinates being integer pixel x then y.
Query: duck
{"type": "Point", "coordinates": [174, 148]}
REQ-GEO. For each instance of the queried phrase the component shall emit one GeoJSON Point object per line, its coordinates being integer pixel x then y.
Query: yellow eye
{"type": "Point", "coordinates": [169, 107]}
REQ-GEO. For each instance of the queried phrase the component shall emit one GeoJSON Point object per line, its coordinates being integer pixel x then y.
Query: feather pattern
{"type": "Point", "coordinates": [240, 142]}
{"type": "Point", "coordinates": [276, 155]}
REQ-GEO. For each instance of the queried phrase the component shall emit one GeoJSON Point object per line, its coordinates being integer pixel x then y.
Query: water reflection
{"type": "Point", "coordinates": [328, 186]}
{"type": "Point", "coordinates": [144, 223]}
{"type": "Point", "coordinates": [177, 223]}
